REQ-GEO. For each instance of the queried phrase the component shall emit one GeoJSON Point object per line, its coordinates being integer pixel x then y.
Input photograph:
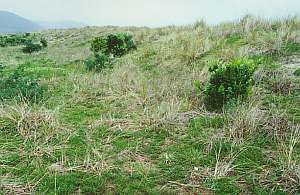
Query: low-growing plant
{"type": "Point", "coordinates": [291, 48]}
{"type": "Point", "coordinates": [120, 43]}
{"type": "Point", "coordinates": [99, 44]}
{"type": "Point", "coordinates": [32, 47]}
{"type": "Point", "coordinates": [98, 62]}
{"type": "Point", "coordinates": [44, 42]}
{"type": "Point", "coordinates": [20, 85]}
{"type": "Point", "coordinates": [105, 48]}
{"type": "Point", "coordinates": [14, 39]}
{"type": "Point", "coordinates": [116, 44]}
{"type": "Point", "coordinates": [228, 83]}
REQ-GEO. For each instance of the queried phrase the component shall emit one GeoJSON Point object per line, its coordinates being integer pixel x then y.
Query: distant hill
{"type": "Point", "coordinates": [12, 23]}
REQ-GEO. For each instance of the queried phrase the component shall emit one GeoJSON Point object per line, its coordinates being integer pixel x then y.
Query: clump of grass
{"type": "Point", "coordinates": [245, 120]}
{"type": "Point", "coordinates": [297, 72]}
{"type": "Point", "coordinates": [285, 177]}
{"type": "Point", "coordinates": [208, 122]}
{"type": "Point", "coordinates": [291, 48]}
{"type": "Point", "coordinates": [276, 80]}
{"type": "Point", "coordinates": [277, 125]}
{"type": "Point", "coordinates": [36, 124]}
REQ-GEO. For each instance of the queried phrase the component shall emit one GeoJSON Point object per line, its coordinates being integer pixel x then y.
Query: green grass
{"type": "Point", "coordinates": [292, 48]}
{"type": "Point", "coordinates": [297, 72]}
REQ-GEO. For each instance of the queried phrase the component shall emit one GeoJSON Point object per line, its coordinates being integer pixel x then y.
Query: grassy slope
{"type": "Point", "coordinates": [142, 128]}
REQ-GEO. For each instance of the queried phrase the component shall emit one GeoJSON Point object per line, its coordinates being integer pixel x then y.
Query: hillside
{"type": "Point", "coordinates": [142, 125]}
{"type": "Point", "coordinates": [12, 23]}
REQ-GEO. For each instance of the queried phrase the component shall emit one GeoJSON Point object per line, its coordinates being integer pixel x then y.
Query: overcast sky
{"type": "Point", "coordinates": [148, 12]}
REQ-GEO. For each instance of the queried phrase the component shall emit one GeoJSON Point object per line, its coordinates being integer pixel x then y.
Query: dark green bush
{"type": "Point", "coordinates": [116, 44]}
{"type": "Point", "coordinates": [105, 48]}
{"type": "Point", "coordinates": [99, 44]}
{"type": "Point", "coordinates": [44, 42]}
{"type": "Point", "coordinates": [99, 62]}
{"type": "Point", "coordinates": [14, 40]}
{"type": "Point", "coordinates": [119, 44]}
{"type": "Point", "coordinates": [20, 85]}
{"type": "Point", "coordinates": [32, 47]}
{"type": "Point", "coordinates": [228, 83]}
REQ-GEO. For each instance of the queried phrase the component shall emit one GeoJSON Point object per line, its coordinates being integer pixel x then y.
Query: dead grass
{"type": "Point", "coordinates": [31, 123]}
{"type": "Point", "coordinates": [244, 121]}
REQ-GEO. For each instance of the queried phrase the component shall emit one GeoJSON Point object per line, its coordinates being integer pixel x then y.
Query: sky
{"type": "Point", "coordinates": [151, 13]}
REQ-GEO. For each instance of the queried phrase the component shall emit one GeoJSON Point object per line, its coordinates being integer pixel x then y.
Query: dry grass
{"type": "Point", "coordinates": [30, 123]}
{"type": "Point", "coordinates": [244, 121]}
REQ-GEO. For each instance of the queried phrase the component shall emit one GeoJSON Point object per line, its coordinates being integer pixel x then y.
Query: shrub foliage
{"type": "Point", "coordinates": [25, 40]}
{"type": "Point", "coordinates": [32, 47]}
{"type": "Point", "coordinates": [20, 84]}
{"type": "Point", "coordinates": [228, 83]}
{"type": "Point", "coordinates": [116, 44]}
{"type": "Point", "coordinates": [105, 48]}
{"type": "Point", "coordinates": [14, 39]}
{"type": "Point", "coordinates": [44, 42]}
{"type": "Point", "coordinates": [98, 62]}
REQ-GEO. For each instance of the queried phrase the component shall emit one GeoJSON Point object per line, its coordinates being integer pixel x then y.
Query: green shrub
{"type": "Point", "coordinates": [14, 39]}
{"type": "Point", "coordinates": [228, 83]}
{"type": "Point", "coordinates": [99, 62]}
{"type": "Point", "coordinates": [99, 44]}
{"type": "Point", "coordinates": [119, 44]}
{"type": "Point", "coordinates": [116, 44]}
{"type": "Point", "coordinates": [44, 42]}
{"type": "Point", "coordinates": [105, 48]}
{"type": "Point", "coordinates": [32, 47]}
{"type": "Point", "coordinates": [19, 84]}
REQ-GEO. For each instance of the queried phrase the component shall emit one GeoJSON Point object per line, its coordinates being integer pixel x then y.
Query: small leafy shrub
{"type": "Point", "coordinates": [98, 62]}
{"type": "Point", "coordinates": [119, 44]}
{"type": "Point", "coordinates": [105, 48]}
{"type": "Point", "coordinates": [44, 42]}
{"type": "Point", "coordinates": [228, 83]}
{"type": "Point", "coordinates": [19, 84]}
{"type": "Point", "coordinates": [14, 39]}
{"type": "Point", "coordinates": [116, 44]}
{"type": "Point", "coordinates": [32, 47]}
{"type": "Point", "coordinates": [99, 44]}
